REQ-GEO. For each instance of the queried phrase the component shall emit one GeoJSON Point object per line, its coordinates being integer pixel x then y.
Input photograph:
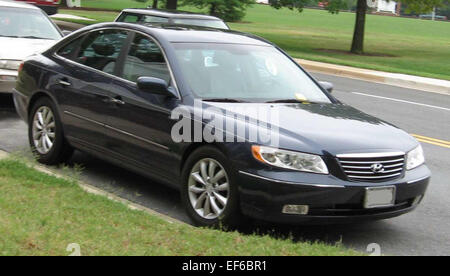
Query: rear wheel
{"type": "Point", "coordinates": [209, 191]}
{"type": "Point", "coordinates": [45, 134]}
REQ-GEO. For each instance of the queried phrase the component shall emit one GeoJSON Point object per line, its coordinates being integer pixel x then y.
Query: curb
{"type": "Point", "coordinates": [394, 79]}
{"type": "Point", "coordinates": [96, 191]}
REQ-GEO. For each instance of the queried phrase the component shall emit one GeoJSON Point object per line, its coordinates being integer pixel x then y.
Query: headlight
{"type": "Point", "coordinates": [10, 64]}
{"type": "Point", "coordinates": [415, 158]}
{"type": "Point", "coordinates": [290, 159]}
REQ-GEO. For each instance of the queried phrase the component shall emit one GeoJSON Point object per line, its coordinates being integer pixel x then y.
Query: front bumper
{"type": "Point", "coordinates": [7, 80]}
{"type": "Point", "coordinates": [263, 197]}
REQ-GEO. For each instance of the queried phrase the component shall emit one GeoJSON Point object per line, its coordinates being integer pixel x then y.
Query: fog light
{"type": "Point", "coordinates": [417, 200]}
{"type": "Point", "coordinates": [8, 78]}
{"type": "Point", "coordinates": [296, 209]}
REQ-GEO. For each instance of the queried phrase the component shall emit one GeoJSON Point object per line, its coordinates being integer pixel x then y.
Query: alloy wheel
{"type": "Point", "coordinates": [209, 188]}
{"type": "Point", "coordinates": [44, 130]}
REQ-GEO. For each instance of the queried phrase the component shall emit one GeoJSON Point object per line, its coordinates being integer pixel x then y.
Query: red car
{"type": "Point", "coordinates": [49, 6]}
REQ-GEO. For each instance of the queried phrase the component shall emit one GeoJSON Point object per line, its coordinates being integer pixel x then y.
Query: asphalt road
{"type": "Point", "coordinates": [425, 231]}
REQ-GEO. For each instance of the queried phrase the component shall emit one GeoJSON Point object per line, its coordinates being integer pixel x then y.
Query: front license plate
{"type": "Point", "coordinates": [379, 197]}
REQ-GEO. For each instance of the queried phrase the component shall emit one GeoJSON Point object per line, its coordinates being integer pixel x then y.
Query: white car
{"type": "Point", "coordinates": [24, 30]}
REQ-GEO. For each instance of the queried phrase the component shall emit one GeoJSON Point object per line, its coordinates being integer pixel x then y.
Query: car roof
{"type": "Point", "coordinates": [172, 14]}
{"type": "Point", "coordinates": [189, 34]}
{"type": "Point", "coordinates": [14, 4]}
{"type": "Point", "coordinates": [165, 33]}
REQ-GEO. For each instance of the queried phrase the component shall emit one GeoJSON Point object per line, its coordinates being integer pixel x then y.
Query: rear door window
{"type": "Point", "coordinates": [100, 50]}
{"type": "Point", "coordinates": [69, 51]}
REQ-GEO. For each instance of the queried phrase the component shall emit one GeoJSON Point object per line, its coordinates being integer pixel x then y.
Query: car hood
{"type": "Point", "coordinates": [320, 128]}
{"type": "Point", "coordinates": [21, 48]}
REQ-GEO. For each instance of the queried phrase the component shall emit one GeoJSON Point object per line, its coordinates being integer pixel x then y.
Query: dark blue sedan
{"type": "Point", "coordinates": [227, 118]}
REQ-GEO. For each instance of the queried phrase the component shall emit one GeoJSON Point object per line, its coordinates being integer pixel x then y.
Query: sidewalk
{"type": "Point", "coordinates": [401, 80]}
{"type": "Point", "coordinates": [69, 26]}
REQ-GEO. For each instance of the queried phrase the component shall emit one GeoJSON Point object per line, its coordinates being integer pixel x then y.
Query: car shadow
{"type": "Point", "coordinates": [165, 200]}
{"type": "Point", "coordinates": [6, 102]}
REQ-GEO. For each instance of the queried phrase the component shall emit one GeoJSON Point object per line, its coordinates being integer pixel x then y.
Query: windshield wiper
{"type": "Point", "coordinates": [288, 101]}
{"type": "Point", "coordinates": [31, 37]}
{"type": "Point", "coordinates": [223, 100]}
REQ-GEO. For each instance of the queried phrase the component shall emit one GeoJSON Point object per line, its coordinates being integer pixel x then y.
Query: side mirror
{"type": "Point", "coordinates": [66, 32]}
{"type": "Point", "coordinates": [327, 86]}
{"type": "Point", "coordinates": [155, 86]}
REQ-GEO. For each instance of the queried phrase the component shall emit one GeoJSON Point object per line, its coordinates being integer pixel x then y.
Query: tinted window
{"type": "Point", "coordinates": [145, 59]}
{"type": "Point", "coordinates": [142, 18]}
{"type": "Point", "coordinates": [69, 50]}
{"type": "Point", "coordinates": [100, 50]}
{"type": "Point", "coordinates": [130, 18]}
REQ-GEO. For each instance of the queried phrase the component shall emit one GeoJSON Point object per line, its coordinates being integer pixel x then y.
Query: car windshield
{"type": "Point", "coordinates": [26, 23]}
{"type": "Point", "coordinates": [201, 22]}
{"type": "Point", "coordinates": [245, 73]}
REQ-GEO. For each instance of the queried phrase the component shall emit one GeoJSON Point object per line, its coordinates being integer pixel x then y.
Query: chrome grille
{"type": "Point", "coordinates": [372, 166]}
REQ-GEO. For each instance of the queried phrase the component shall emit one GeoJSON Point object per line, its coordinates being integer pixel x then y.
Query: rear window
{"type": "Point", "coordinates": [217, 24]}
{"type": "Point", "coordinates": [141, 18]}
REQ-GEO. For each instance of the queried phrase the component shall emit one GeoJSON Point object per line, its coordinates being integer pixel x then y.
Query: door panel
{"type": "Point", "coordinates": [85, 84]}
{"type": "Point", "coordinates": [140, 129]}
{"type": "Point", "coordinates": [84, 106]}
{"type": "Point", "coordinates": [140, 126]}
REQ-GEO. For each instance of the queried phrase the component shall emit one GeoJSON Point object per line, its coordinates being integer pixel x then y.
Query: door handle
{"type": "Point", "coordinates": [64, 82]}
{"type": "Point", "coordinates": [117, 100]}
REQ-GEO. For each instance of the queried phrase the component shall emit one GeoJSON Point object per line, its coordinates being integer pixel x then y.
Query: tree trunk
{"type": "Point", "coordinates": [155, 4]}
{"type": "Point", "coordinates": [212, 9]}
{"type": "Point", "coordinates": [171, 4]}
{"type": "Point", "coordinates": [358, 35]}
{"type": "Point", "coordinates": [64, 4]}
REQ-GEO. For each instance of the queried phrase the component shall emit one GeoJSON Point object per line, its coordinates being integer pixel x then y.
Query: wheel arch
{"type": "Point", "coordinates": [38, 95]}
{"type": "Point", "coordinates": [194, 146]}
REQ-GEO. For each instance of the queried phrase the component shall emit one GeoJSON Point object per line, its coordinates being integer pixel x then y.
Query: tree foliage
{"type": "Point", "coordinates": [168, 4]}
{"type": "Point", "coordinates": [417, 6]}
{"type": "Point", "coordinates": [228, 10]}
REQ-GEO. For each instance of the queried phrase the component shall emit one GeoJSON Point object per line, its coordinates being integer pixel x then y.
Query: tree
{"type": "Point", "coordinates": [169, 4]}
{"type": "Point", "coordinates": [419, 6]}
{"type": "Point", "coordinates": [228, 10]}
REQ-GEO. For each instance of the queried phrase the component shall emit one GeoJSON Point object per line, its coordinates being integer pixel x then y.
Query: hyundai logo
{"type": "Point", "coordinates": [377, 168]}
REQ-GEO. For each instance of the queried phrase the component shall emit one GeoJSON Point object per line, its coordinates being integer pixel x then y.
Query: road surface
{"type": "Point", "coordinates": [425, 231]}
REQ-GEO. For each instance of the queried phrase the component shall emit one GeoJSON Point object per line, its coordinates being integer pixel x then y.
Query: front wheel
{"type": "Point", "coordinates": [209, 191]}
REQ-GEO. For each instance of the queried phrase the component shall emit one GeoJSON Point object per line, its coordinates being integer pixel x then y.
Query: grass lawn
{"type": "Point", "coordinates": [403, 45]}
{"type": "Point", "coordinates": [42, 215]}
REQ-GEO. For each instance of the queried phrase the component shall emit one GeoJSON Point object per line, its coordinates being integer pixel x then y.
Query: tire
{"type": "Point", "coordinates": [60, 151]}
{"type": "Point", "coordinates": [230, 215]}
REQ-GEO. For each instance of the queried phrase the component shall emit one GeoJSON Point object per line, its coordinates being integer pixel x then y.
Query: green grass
{"type": "Point", "coordinates": [42, 215]}
{"type": "Point", "coordinates": [410, 46]}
